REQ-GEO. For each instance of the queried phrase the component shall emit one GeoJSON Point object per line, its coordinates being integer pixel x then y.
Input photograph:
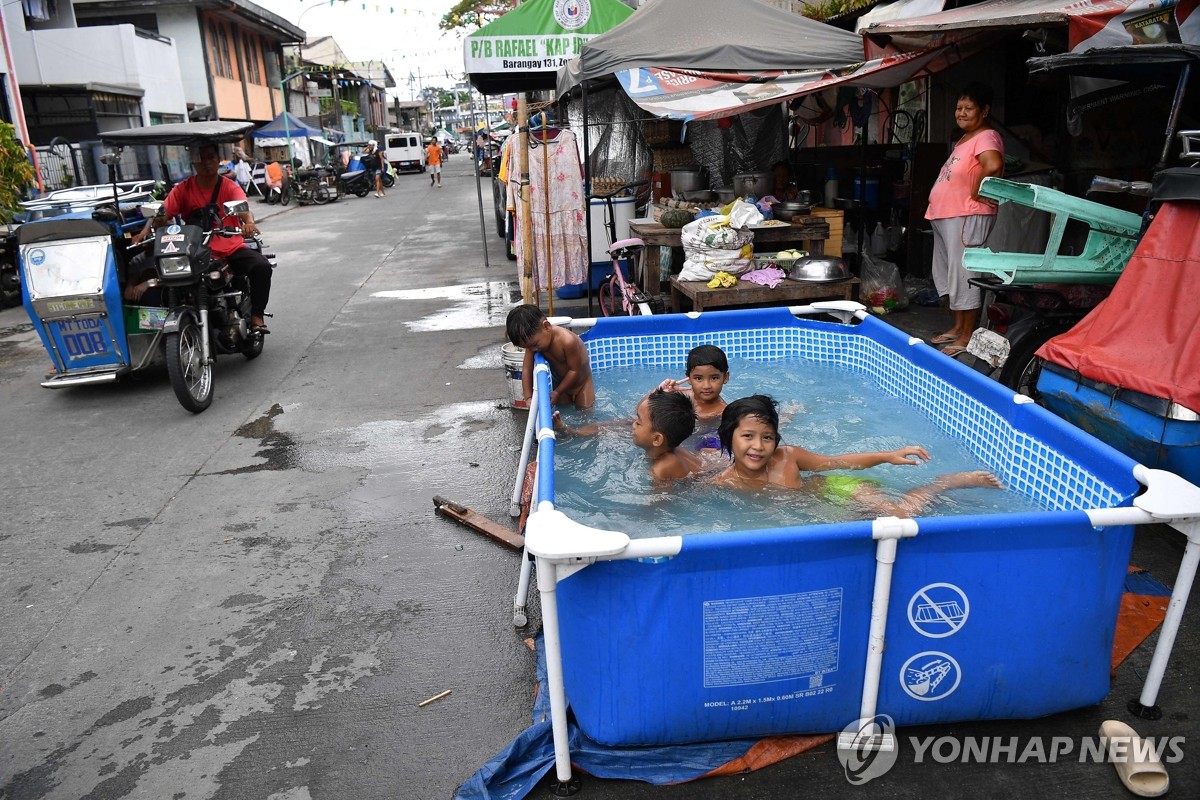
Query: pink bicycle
{"type": "Point", "coordinates": [619, 297]}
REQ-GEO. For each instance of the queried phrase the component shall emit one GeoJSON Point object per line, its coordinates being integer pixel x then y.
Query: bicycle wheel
{"type": "Point", "coordinates": [610, 297]}
{"type": "Point", "coordinates": [322, 195]}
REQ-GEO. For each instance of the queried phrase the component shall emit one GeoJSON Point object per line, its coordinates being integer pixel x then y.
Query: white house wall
{"type": "Point", "coordinates": [182, 24]}
{"type": "Point", "coordinates": [111, 55]}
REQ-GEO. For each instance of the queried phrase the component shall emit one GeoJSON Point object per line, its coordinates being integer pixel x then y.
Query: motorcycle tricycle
{"type": "Point", "coordinates": [74, 268]}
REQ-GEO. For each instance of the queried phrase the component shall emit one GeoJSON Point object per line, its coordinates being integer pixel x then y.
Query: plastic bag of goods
{"type": "Point", "coordinates": [711, 245]}
{"type": "Point", "coordinates": [881, 289]}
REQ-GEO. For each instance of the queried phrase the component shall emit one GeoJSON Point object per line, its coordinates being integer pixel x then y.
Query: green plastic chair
{"type": "Point", "coordinates": [1109, 245]}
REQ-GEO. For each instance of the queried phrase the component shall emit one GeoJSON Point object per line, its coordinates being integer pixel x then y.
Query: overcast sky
{"type": "Point", "coordinates": [403, 34]}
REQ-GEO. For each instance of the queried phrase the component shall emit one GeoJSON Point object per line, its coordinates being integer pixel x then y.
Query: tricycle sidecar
{"type": "Point", "coordinates": [71, 270]}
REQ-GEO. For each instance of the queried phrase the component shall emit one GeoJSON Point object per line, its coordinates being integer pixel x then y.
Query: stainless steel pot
{"type": "Point", "coordinates": [819, 269]}
{"type": "Point", "coordinates": [687, 179]}
{"type": "Point", "coordinates": [753, 183]}
{"type": "Point", "coordinates": [726, 194]}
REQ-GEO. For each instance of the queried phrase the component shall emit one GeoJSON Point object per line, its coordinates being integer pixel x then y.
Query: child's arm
{"type": "Point", "coordinates": [527, 376]}
{"type": "Point", "coordinates": [807, 461]}
{"type": "Point", "coordinates": [575, 364]}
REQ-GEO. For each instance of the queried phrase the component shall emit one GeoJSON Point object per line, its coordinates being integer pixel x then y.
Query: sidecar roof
{"type": "Point", "coordinates": [181, 133]}
{"type": "Point", "coordinates": [77, 225]}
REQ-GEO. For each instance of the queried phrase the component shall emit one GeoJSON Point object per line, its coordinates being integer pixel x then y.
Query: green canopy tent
{"type": "Point", "coordinates": [522, 52]}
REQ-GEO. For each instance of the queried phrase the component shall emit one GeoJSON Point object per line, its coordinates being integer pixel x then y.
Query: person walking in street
{"type": "Point", "coordinates": [433, 158]}
{"type": "Point", "coordinates": [372, 162]}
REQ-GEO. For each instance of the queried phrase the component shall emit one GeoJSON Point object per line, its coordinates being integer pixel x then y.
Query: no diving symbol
{"type": "Point", "coordinates": [938, 610]}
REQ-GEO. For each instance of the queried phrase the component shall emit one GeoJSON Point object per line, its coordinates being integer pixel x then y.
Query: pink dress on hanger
{"type": "Point", "coordinates": [563, 227]}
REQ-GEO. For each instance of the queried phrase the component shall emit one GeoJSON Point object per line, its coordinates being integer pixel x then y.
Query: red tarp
{"type": "Point", "coordinates": [1146, 335]}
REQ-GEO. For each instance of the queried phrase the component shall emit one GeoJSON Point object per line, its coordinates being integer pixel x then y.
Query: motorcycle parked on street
{"type": "Point", "coordinates": [356, 181]}
{"type": "Point", "coordinates": [74, 269]}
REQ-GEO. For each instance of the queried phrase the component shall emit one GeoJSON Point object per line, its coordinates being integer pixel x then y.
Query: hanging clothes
{"type": "Point", "coordinates": [562, 196]}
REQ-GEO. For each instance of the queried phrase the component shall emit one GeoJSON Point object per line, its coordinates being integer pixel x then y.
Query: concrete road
{"type": "Point", "coordinates": [251, 602]}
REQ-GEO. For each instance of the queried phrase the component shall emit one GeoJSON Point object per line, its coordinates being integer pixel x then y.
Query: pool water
{"type": "Point", "coordinates": [603, 480]}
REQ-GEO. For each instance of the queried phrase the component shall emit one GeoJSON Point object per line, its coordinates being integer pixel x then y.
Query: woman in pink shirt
{"type": "Point", "coordinates": [959, 216]}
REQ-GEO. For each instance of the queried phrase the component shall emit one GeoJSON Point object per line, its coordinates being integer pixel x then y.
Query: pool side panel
{"type": "Point", "coordinates": [746, 634]}
{"type": "Point", "coordinates": [1021, 617]}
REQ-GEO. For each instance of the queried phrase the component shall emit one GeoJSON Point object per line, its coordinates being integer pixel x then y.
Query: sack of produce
{"type": "Point", "coordinates": [710, 246]}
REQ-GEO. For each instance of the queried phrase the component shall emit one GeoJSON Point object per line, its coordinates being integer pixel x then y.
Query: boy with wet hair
{"type": "Point", "coordinates": [749, 433]}
{"type": "Point", "coordinates": [564, 351]}
{"type": "Point", "coordinates": [662, 422]}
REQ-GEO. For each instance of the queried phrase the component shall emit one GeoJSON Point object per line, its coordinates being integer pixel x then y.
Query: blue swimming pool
{"type": "Point", "coordinates": [672, 639]}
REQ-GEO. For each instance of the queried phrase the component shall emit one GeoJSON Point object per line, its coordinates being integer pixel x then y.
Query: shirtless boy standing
{"type": "Point", "coordinates": [563, 350]}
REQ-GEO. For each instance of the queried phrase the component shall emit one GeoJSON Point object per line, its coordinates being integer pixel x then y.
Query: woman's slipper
{"type": "Point", "coordinates": [953, 350]}
{"type": "Point", "coordinates": [943, 338]}
{"type": "Point", "coordinates": [263, 329]}
{"type": "Point", "coordinates": [1136, 761]}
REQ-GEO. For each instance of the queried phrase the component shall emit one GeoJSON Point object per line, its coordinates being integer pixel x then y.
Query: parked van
{"type": "Point", "coordinates": [405, 151]}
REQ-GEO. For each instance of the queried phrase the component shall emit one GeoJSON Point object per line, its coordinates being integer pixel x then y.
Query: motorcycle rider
{"type": "Point", "coordinates": [206, 188]}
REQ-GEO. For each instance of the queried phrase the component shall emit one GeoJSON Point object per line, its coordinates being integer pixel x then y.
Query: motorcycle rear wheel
{"type": "Point", "coordinates": [285, 195]}
{"type": "Point", "coordinates": [389, 180]}
{"type": "Point", "coordinates": [363, 192]}
{"type": "Point", "coordinates": [1019, 370]}
{"type": "Point", "coordinates": [191, 378]}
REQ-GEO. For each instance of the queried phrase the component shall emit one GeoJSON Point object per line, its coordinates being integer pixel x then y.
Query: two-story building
{"type": "Point", "coordinates": [229, 52]}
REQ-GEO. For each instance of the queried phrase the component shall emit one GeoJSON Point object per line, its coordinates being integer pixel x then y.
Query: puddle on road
{"type": "Point", "coordinates": [476, 305]}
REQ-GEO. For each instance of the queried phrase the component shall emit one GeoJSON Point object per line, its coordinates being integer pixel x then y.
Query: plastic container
{"type": "Point", "coordinates": [871, 197]}
{"type": "Point", "coordinates": [600, 273]}
{"type": "Point", "coordinates": [513, 358]}
{"type": "Point", "coordinates": [831, 187]}
{"type": "Point", "coordinates": [623, 208]}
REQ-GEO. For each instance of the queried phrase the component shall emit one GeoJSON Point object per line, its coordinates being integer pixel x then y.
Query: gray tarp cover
{"type": "Point", "coordinates": [713, 35]}
{"type": "Point", "coordinates": [181, 133]}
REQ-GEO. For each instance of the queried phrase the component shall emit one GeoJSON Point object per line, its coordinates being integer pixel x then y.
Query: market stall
{"type": "Point", "coordinates": [292, 133]}
{"type": "Point", "coordinates": [521, 52]}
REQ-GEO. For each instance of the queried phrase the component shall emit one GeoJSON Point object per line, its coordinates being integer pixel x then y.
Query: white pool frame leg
{"type": "Point", "coordinates": [514, 505]}
{"type": "Point", "coordinates": [1145, 705]}
{"type": "Point", "coordinates": [548, 589]}
{"type": "Point", "coordinates": [887, 532]}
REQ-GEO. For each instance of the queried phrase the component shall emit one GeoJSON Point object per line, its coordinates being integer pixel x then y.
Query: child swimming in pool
{"type": "Point", "coordinates": [749, 433]}
{"type": "Point", "coordinates": [707, 373]}
{"type": "Point", "coordinates": [662, 422]}
{"type": "Point", "coordinates": [566, 353]}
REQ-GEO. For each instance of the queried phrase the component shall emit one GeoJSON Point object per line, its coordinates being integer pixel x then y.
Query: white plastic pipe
{"type": "Point", "coordinates": [547, 586]}
{"type": "Point", "coordinates": [1179, 596]}
{"type": "Point", "coordinates": [514, 506]}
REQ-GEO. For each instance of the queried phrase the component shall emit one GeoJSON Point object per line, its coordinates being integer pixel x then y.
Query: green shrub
{"type": "Point", "coordinates": [16, 173]}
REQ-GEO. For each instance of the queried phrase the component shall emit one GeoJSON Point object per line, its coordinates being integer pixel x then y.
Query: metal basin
{"type": "Point", "coordinates": [819, 269]}
{"type": "Point", "coordinates": [786, 211]}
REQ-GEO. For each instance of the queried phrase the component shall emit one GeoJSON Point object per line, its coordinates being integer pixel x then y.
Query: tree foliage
{"type": "Point", "coordinates": [474, 13]}
{"type": "Point", "coordinates": [16, 173]}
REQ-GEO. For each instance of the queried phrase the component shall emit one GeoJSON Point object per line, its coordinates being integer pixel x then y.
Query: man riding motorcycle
{"type": "Point", "coordinates": [191, 198]}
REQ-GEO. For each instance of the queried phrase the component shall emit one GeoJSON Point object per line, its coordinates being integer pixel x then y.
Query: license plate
{"type": "Point", "coordinates": [989, 346]}
{"type": "Point", "coordinates": [83, 338]}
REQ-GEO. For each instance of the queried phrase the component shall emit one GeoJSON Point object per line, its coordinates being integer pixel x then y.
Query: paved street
{"type": "Point", "coordinates": [250, 603]}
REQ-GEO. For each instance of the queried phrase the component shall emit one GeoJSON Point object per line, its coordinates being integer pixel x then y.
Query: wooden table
{"type": "Point", "coordinates": [745, 293]}
{"type": "Point", "coordinates": [809, 231]}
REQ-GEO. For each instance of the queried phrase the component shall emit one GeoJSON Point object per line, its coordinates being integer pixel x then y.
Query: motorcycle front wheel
{"type": "Point", "coordinates": [191, 378]}
{"type": "Point", "coordinates": [285, 196]}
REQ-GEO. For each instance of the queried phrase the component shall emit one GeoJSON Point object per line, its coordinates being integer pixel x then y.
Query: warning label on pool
{"type": "Point", "coordinates": [771, 638]}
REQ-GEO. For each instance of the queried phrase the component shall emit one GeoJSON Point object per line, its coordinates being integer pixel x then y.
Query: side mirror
{"type": "Point", "coordinates": [236, 207]}
{"type": "Point", "coordinates": [150, 210]}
